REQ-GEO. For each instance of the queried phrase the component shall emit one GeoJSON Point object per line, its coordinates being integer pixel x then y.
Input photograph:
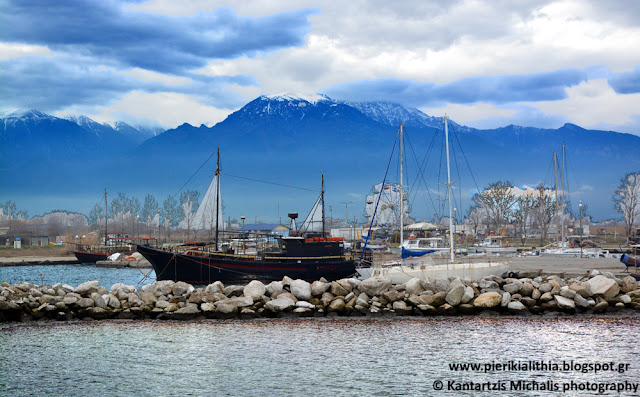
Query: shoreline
{"type": "Point", "coordinates": [593, 294]}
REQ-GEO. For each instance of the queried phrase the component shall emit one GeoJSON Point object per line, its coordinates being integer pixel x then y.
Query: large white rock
{"type": "Point", "coordinates": [164, 287]}
{"type": "Point", "coordinates": [375, 286]}
{"type": "Point", "coordinates": [305, 304]}
{"type": "Point", "coordinates": [456, 291]}
{"type": "Point", "coordinates": [564, 303]}
{"type": "Point", "coordinates": [318, 288]}
{"type": "Point", "coordinates": [301, 289]}
{"type": "Point", "coordinates": [214, 288]}
{"type": "Point", "coordinates": [281, 304]}
{"type": "Point", "coordinates": [87, 288]}
{"type": "Point", "coordinates": [182, 288]}
{"type": "Point", "coordinates": [601, 285]}
{"type": "Point", "coordinates": [254, 289]}
{"type": "Point", "coordinates": [468, 295]}
{"type": "Point", "coordinates": [274, 288]}
{"type": "Point", "coordinates": [414, 286]}
{"type": "Point", "coordinates": [515, 306]}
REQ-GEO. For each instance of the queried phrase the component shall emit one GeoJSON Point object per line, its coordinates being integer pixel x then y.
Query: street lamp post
{"type": "Point", "coordinates": [580, 207]}
{"type": "Point", "coordinates": [242, 218]}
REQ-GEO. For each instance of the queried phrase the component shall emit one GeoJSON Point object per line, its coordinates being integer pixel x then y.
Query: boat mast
{"type": "Point", "coordinates": [555, 182]}
{"type": "Point", "coordinates": [446, 138]}
{"type": "Point", "coordinates": [106, 218]}
{"type": "Point", "coordinates": [217, 195]}
{"type": "Point", "coordinates": [563, 199]}
{"type": "Point", "coordinates": [322, 202]}
{"type": "Point", "coordinates": [401, 188]}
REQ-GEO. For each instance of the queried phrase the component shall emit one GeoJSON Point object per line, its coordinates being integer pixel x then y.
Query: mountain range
{"type": "Point", "coordinates": [48, 162]}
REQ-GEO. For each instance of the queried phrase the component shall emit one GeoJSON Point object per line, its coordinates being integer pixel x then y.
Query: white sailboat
{"type": "Point", "coordinates": [403, 270]}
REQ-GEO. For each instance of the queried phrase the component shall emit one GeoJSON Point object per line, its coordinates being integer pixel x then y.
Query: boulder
{"type": "Point", "coordinates": [506, 299]}
{"type": "Point", "coordinates": [413, 286]}
{"type": "Point", "coordinates": [291, 296]}
{"type": "Point", "coordinates": [512, 288]}
{"type": "Point", "coordinates": [318, 288]}
{"type": "Point", "coordinates": [214, 288]}
{"type": "Point", "coordinates": [301, 289]}
{"type": "Point", "coordinates": [468, 295]}
{"type": "Point", "coordinates": [98, 301]}
{"type": "Point", "coordinates": [233, 290]}
{"type": "Point", "coordinates": [581, 301]}
{"type": "Point", "coordinates": [134, 299]}
{"type": "Point", "coordinates": [279, 305]}
{"type": "Point", "coordinates": [336, 305]}
{"type": "Point", "coordinates": [456, 291]}
{"type": "Point", "coordinates": [86, 289]}
{"type": "Point", "coordinates": [163, 287]}
{"type": "Point", "coordinates": [182, 288]}
{"type": "Point", "coordinates": [526, 289]}
{"type": "Point", "coordinates": [191, 308]}
{"type": "Point", "coordinates": [354, 282]}
{"type": "Point", "coordinates": [604, 286]}
{"type": "Point", "coordinates": [375, 286]}
{"type": "Point", "coordinates": [567, 292]}
{"type": "Point", "coordinates": [516, 306]}
{"type": "Point", "coordinates": [255, 289]}
{"type": "Point", "coordinates": [564, 303]}
{"type": "Point", "coordinates": [393, 295]}
{"type": "Point", "coordinates": [274, 288]}
{"type": "Point", "coordinates": [488, 284]}
{"type": "Point", "coordinates": [488, 300]}
{"type": "Point", "coordinates": [305, 304]}
{"type": "Point", "coordinates": [338, 290]}
{"type": "Point", "coordinates": [208, 307]}
{"type": "Point", "coordinates": [238, 301]}
{"type": "Point", "coordinates": [629, 284]}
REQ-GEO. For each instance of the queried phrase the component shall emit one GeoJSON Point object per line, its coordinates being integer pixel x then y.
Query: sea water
{"type": "Point", "coordinates": [75, 275]}
{"type": "Point", "coordinates": [466, 355]}
{"type": "Point", "coordinates": [326, 357]}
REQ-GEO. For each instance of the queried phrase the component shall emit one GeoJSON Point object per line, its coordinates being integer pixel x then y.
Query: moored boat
{"type": "Point", "coordinates": [309, 258]}
{"type": "Point", "coordinates": [295, 257]}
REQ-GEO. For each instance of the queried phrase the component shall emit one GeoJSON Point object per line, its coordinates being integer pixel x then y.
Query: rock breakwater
{"type": "Point", "coordinates": [595, 293]}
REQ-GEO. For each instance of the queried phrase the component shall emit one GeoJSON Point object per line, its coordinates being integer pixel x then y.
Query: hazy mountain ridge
{"type": "Point", "coordinates": [290, 139]}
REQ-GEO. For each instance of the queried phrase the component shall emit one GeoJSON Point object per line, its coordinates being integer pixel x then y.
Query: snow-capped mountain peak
{"type": "Point", "coordinates": [311, 98]}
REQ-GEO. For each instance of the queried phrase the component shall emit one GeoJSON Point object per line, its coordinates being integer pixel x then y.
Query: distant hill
{"type": "Point", "coordinates": [289, 140]}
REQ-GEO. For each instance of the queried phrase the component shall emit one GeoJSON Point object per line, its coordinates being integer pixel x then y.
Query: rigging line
{"type": "Point", "coordinates": [269, 183]}
{"type": "Point", "coordinates": [420, 173]}
{"type": "Point", "coordinates": [466, 160]}
{"type": "Point", "coordinates": [457, 167]}
{"type": "Point", "coordinates": [194, 174]}
{"type": "Point", "coordinates": [373, 217]}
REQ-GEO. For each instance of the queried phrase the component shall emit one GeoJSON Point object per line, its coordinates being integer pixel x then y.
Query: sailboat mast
{"type": "Point", "coordinates": [555, 182]}
{"type": "Point", "coordinates": [106, 218]}
{"type": "Point", "coordinates": [401, 187]}
{"type": "Point", "coordinates": [563, 199]}
{"type": "Point", "coordinates": [322, 202]}
{"type": "Point", "coordinates": [446, 138]}
{"type": "Point", "coordinates": [217, 195]}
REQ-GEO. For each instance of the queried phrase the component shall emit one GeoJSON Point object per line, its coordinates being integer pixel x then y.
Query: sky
{"type": "Point", "coordinates": [485, 63]}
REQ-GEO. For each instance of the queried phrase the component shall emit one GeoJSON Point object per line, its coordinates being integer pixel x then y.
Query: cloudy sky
{"type": "Point", "coordinates": [485, 63]}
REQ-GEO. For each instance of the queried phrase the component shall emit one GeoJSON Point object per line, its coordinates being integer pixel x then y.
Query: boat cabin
{"type": "Point", "coordinates": [424, 243]}
{"type": "Point", "coordinates": [311, 247]}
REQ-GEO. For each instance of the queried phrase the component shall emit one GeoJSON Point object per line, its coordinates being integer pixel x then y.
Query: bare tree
{"type": "Point", "coordinates": [522, 213]}
{"type": "Point", "coordinates": [476, 216]}
{"type": "Point", "coordinates": [497, 199]}
{"type": "Point", "coordinates": [626, 200]}
{"type": "Point", "coordinates": [543, 211]}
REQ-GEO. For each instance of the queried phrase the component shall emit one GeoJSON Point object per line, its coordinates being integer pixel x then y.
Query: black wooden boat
{"type": "Point", "coordinates": [296, 257]}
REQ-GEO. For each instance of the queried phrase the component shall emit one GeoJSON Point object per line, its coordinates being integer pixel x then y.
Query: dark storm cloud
{"type": "Point", "coordinates": [110, 30]}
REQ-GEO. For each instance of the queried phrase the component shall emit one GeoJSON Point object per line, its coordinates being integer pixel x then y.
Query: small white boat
{"type": "Point", "coordinates": [494, 245]}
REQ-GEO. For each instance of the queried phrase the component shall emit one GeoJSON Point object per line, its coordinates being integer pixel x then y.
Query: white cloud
{"type": "Point", "coordinates": [594, 102]}
{"type": "Point", "coordinates": [465, 114]}
{"type": "Point", "coordinates": [11, 51]}
{"type": "Point", "coordinates": [168, 109]}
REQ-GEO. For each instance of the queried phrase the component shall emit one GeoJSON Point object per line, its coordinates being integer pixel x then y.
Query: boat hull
{"type": "Point", "coordinates": [471, 271]}
{"type": "Point", "coordinates": [207, 269]}
{"type": "Point", "coordinates": [89, 257]}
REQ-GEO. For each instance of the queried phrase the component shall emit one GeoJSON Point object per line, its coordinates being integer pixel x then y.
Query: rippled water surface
{"type": "Point", "coordinates": [362, 357]}
{"type": "Point", "coordinates": [75, 275]}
